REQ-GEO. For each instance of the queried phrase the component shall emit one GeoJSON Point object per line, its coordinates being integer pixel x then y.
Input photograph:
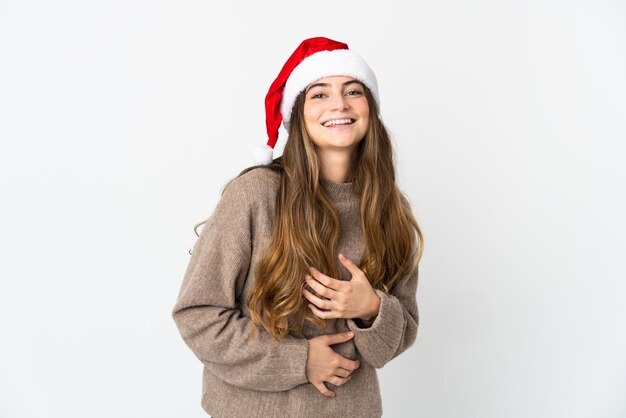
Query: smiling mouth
{"type": "Point", "coordinates": [337, 122]}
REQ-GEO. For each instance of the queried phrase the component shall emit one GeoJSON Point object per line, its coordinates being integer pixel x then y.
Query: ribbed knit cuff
{"type": "Point", "coordinates": [299, 355]}
{"type": "Point", "coordinates": [379, 342]}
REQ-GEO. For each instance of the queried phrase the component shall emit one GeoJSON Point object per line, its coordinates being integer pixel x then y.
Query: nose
{"type": "Point", "coordinates": [339, 102]}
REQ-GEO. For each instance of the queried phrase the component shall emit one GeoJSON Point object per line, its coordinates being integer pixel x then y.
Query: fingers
{"type": "Point", "coordinates": [352, 268]}
{"type": "Point", "coordinates": [328, 282]}
{"type": "Point", "coordinates": [325, 365]}
{"type": "Point", "coordinates": [324, 304]}
{"type": "Point", "coordinates": [342, 372]}
{"type": "Point", "coordinates": [338, 381]}
{"type": "Point", "coordinates": [335, 380]}
{"type": "Point", "coordinates": [319, 313]}
{"type": "Point", "coordinates": [349, 364]}
{"type": "Point", "coordinates": [331, 339]}
{"type": "Point", "coordinates": [324, 390]}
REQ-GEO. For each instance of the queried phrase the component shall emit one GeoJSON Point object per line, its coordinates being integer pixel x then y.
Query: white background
{"type": "Point", "coordinates": [120, 121]}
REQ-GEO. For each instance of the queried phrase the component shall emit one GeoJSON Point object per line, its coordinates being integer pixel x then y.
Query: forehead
{"type": "Point", "coordinates": [332, 80]}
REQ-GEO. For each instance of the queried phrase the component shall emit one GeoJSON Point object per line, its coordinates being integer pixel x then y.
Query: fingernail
{"type": "Point", "coordinates": [350, 334]}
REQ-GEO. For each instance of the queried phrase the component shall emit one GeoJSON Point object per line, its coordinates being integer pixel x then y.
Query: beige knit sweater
{"type": "Point", "coordinates": [259, 377]}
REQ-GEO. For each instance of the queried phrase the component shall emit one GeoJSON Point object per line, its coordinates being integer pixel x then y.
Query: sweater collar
{"type": "Point", "coordinates": [338, 192]}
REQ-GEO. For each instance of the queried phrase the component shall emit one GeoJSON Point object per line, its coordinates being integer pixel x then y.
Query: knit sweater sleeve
{"type": "Point", "coordinates": [208, 310]}
{"type": "Point", "coordinates": [394, 330]}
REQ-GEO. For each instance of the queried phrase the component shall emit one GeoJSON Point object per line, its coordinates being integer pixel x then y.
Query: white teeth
{"type": "Point", "coordinates": [337, 122]}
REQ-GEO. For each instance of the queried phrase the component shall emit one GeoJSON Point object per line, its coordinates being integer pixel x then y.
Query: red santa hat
{"type": "Point", "coordinates": [314, 58]}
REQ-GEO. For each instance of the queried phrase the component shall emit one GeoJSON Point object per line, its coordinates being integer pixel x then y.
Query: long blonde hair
{"type": "Point", "coordinates": [306, 229]}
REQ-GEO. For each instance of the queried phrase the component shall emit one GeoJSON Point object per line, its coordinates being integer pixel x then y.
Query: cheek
{"type": "Point", "coordinates": [365, 128]}
{"type": "Point", "coordinates": [309, 113]}
{"type": "Point", "coordinates": [365, 115]}
{"type": "Point", "coordinates": [309, 123]}
{"type": "Point", "coordinates": [365, 110]}
{"type": "Point", "coordinates": [311, 119]}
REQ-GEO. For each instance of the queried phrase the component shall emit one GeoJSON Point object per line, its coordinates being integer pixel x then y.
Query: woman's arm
{"type": "Point", "coordinates": [208, 313]}
{"type": "Point", "coordinates": [394, 329]}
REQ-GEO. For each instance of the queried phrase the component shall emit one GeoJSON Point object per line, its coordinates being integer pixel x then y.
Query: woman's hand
{"type": "Point", "coordinates": [324, 365]}
{"type": "Point", "coordinates": [342, 299]}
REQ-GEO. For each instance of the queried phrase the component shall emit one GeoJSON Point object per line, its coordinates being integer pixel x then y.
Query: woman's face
{"type": "Point", "coordinates": [336, 113]}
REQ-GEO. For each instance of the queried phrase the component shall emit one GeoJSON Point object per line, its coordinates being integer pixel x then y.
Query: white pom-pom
{"type": "Point", "coordinates": [263, 154]}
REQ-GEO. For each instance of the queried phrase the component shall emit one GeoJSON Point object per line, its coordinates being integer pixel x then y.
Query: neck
{"type": "Point", "coordinates": [336, 165]}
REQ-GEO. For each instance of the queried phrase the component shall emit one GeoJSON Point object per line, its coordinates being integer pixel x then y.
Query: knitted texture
{"type": "Point", "coordinates": [260, 377]}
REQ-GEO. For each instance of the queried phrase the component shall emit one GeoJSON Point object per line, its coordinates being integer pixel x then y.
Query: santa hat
{"type": "Point", "coordinates": [314, 58]}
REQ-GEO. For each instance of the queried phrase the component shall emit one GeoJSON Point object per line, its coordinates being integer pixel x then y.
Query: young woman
{"type": "Point", "coordinates": [303, 280]}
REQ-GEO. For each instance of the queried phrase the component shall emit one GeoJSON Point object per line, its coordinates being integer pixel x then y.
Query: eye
{"type": "Point", "coordinates": [355, 92]}
{"type": "Point", "coordinates": [317, 96]}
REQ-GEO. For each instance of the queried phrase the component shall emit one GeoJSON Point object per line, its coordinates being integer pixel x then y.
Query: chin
{"type": "Point", "coordinates": [341, 145]}
{"type": "Point", "coordinates": [341, 140]}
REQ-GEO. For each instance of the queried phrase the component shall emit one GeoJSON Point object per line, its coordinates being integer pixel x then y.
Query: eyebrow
{"type": "Point", "coordinates": [327, 85]}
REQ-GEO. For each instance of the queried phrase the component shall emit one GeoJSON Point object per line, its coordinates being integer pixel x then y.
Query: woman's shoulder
{"type": "Point", "coordinates": [253, 184]}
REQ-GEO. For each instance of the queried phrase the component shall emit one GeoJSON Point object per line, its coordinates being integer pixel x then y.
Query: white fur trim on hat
{"type": "Point", "coordinates": [339, 62]}
{"type": "Point", "coordinates": [263, 154]}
